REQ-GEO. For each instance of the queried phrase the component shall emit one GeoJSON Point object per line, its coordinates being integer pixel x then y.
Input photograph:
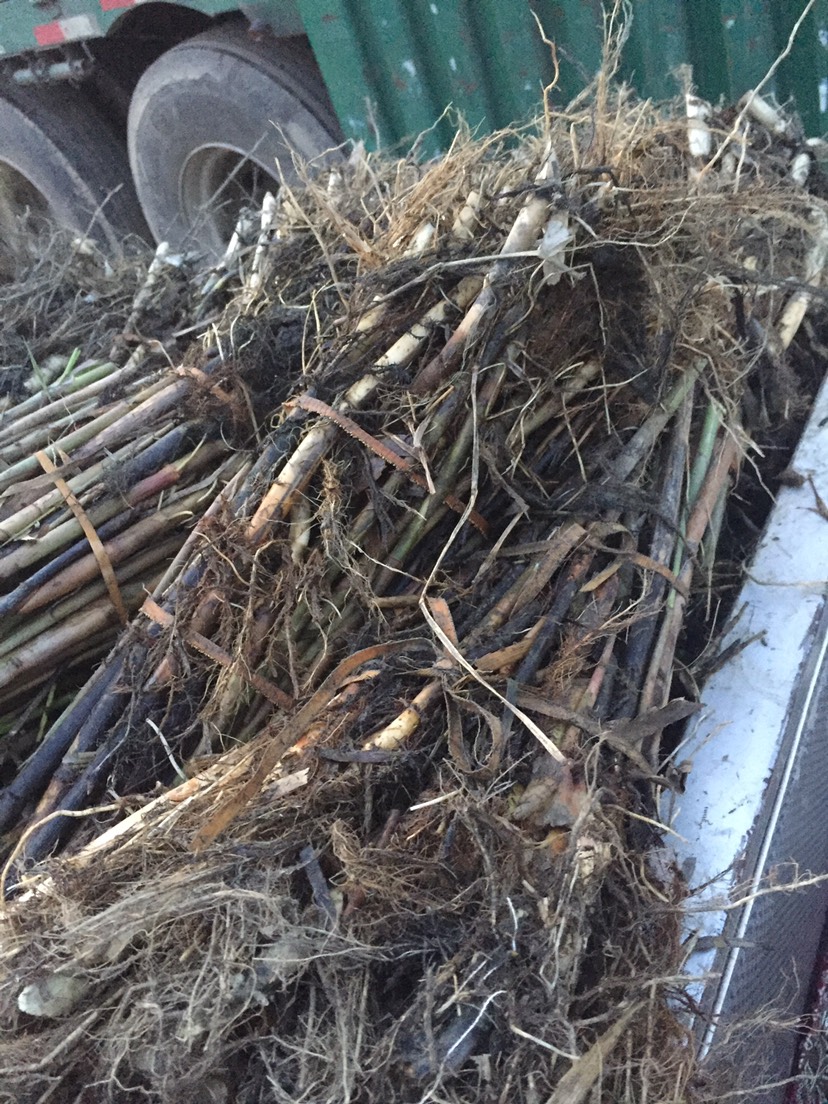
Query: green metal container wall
{"type": "Point", "coordinates": [393, 66]}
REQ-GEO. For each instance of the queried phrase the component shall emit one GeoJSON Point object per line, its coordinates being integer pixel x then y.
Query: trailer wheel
{"type": "Point", "coordinates": [213, 124]}
{"type": "Point", "coordinates": [59, 161]}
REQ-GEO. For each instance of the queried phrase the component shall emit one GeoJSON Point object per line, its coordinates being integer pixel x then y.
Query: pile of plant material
{"type": "Point", "coordinates": [362, 805]}
{"type": "Point", "coordinates": [112, 444]}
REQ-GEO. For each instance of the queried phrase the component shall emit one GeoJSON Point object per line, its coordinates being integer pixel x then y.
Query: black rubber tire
{"type": "Point", "coordinates": [60, 152]}
{"type": "Point", "coordinates": [222, 91]}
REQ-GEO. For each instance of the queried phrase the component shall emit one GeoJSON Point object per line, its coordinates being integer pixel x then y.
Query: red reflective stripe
{"type": "Point", "coordinates": [114, 5]}
{"type": "Point", "coordinates": [49, 34]}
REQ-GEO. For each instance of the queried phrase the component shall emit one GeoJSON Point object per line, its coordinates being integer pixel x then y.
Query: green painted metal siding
{"type": "Point", "coordinates": [392, 66]}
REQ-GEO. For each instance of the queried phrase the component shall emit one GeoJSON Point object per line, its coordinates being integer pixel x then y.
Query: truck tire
{"type": "Point", "coordinates": [214, 122]}
{"type": "Point", "coordinates": [59, 161]}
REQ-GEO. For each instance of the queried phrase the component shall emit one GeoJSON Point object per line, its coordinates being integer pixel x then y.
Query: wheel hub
{"type": "Point", "coordinates": [23, 211]}
{"type": "Point", "coordinates": [215, 183]}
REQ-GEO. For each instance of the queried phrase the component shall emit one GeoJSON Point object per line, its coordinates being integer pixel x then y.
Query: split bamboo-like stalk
{"type": "Point", "coordinates": [84, 435]}
{"type": "Point", "coordinates": [80, 594]}
{"type": "Point", "coordinates": [662, 549]}
{"type": "Point", "coordinates": [26, 554]}
{"type": "Point", "coordinates": [76, 398]}
{"type": "Point", "coordinates": [51, 644]}
{"type": "Point", "coordinates": [301, 466]}
{"type": "Point", "coordinates": [656, 686]}
{"type": "Point", "coordinates": [521, 240]}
